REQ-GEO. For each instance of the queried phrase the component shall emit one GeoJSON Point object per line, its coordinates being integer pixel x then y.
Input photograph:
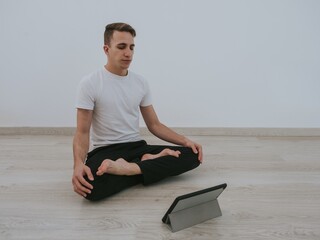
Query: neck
{"type": "Point", "coordinates": [120, 72]}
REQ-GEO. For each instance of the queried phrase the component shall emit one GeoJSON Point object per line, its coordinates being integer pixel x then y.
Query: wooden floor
{"type": "Point", "coordinates": [273, 192]}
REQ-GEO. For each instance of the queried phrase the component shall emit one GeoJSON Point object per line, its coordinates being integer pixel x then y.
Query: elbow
{"type": "Point", "coordinates": [153, 128]}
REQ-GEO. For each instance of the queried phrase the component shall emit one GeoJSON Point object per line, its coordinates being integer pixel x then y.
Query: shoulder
{"type": "Point", "coordinates": [137, 77]}
{"type": "Point", "coordinates": [90, 84]}
{"type": "Point", "coordinates": [140, 81]}
{"type": "Point", "coordinates": [92, 78]}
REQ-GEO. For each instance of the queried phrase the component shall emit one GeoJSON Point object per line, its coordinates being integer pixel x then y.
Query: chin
{"type": "Point", "coordinates": [125, 67]}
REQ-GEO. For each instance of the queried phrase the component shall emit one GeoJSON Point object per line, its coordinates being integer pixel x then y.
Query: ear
{"type": "Point", "coordinates": [106, 49]}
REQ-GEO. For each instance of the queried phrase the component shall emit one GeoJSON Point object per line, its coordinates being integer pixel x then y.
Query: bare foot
{"type": "Point", "coordinates": [164, 152]}
{"type": "Point", "coordinates": [118, 167]}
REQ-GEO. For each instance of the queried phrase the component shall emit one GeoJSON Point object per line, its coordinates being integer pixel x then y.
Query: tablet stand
{"type": "Point", "coordinates": [193, 215]}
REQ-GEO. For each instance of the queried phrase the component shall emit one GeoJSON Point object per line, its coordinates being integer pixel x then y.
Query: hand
{"type": "Point", "coordinates": [80, 185]}
{"type": "Point", "coordinates": [196, 148]}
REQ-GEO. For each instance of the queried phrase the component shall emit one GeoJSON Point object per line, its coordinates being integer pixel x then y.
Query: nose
{"type": "Point", "coordinates": [128, 52]}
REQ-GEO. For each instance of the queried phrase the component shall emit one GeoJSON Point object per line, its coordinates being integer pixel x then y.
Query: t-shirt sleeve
{"type": "Point", "coordinates": [85, 98]}
{"type": "Point", "coordinates": [147, 99]}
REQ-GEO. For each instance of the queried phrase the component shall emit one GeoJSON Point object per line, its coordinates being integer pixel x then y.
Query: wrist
{"type": "Point", "coordinates": [78, 162]}
{"type": "Point", "coordinates": [185, 141]}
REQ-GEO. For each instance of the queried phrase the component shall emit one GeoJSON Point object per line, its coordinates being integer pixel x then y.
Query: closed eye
{"type": "Point", "coordinates": [121, 46]}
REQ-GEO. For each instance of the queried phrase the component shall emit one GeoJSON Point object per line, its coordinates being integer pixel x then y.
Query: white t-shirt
{"type": "Point", "coordinates": [115, 102]}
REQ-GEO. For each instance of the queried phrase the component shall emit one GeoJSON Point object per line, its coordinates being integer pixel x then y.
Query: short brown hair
{"type": "Point", "coordinates": [119, 26]}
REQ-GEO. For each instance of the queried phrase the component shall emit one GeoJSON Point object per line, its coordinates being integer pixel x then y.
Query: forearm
{"type": "Point", "coordinates": [167, 134]}
{"type": "Point", "coordinates": [80, 148]}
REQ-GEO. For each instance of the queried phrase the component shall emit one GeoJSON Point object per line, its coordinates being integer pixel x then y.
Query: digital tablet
{"type": "Point", "coordinates": [193, 199]}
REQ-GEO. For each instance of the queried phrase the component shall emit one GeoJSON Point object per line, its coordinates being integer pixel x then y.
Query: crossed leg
{"type": "Point", "coordinates": [164, 152]}
{"type": "Point", "coordinates": [122, 167]}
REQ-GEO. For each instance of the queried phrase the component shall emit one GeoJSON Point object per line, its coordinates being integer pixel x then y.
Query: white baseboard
{"type": "Point", "coordinates": [278, 132]}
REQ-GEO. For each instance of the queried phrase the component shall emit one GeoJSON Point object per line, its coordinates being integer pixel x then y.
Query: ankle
{"type": "Point", "coordinates": [133, 169]}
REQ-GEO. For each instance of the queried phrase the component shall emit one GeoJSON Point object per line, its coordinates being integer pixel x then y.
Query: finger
{"type": "Point", "coordinates": [194, 149]}
{"type": "Point", "coordinates": [200, 156]}
{"type": "Point", "coordinates": [82, 194]}
{"type": "Point", "coordinates": [89, 173]}
{"type": "Point", "coordinates": [81, 190]}
{"type": "Point", "coordinates": [84, 183]}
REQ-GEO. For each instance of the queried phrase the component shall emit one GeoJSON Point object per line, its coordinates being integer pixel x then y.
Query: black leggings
{"type": "Point", "coordinates": [152, 170]}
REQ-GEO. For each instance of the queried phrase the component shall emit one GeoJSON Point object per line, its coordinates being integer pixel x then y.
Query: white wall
{"type": "Point", "coordinates": [209, 63]}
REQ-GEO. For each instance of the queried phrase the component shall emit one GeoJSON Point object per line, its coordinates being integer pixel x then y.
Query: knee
{"type": "Point", "coordinates": [97, 194]}
{"type": "Point", "coordinates": [194, 162]}
{"type": "Point", "coordinates": [94, 197]}
{"type": "Point", "coordinates": [99, 191]}
{"type": "Point", "coordinates": [187, 161]}
{"type": "Point", "coordinates": [188, 152]}
{"type": "Point", "coordinates": [191, 158]}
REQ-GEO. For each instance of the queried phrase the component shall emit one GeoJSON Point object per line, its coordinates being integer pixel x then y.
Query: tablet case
{"type": "Point", "coordinates": [193, 208]}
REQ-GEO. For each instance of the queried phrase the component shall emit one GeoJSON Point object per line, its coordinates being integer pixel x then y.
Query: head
{"type": "Point", "coordinates": [119, 47]}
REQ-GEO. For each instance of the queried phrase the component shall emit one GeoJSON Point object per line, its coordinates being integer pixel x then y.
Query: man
{"type": "Point", "coordinates": [108, 103]}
